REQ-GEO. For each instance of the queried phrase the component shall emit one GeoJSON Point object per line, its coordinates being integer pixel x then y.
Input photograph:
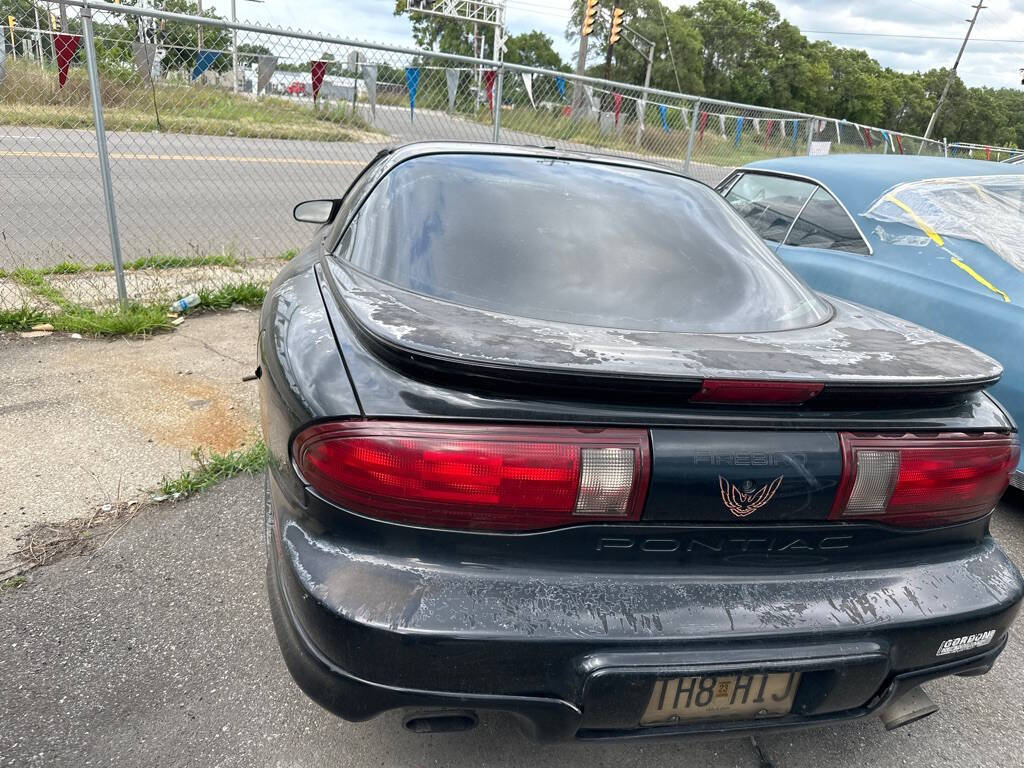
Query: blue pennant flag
{"type": "Point", "coordinates": [663, 111]}
{"type": "Point", "coordinates": [796, 124]}
{"type": "Point", "coordinates": [412, 82]}
{"type": "Point", "coordinates": [739, 129]}
{"type": "Point", "coordinates": [203, 62]}
{"type": "Point", "coordinates": [560, 84]}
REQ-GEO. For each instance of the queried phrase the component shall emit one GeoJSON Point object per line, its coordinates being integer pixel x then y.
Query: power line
{"type": "Point", "coordinates": [908, 37]}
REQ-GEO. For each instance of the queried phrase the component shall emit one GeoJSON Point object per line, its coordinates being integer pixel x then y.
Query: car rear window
{"type": "Point", "coordinates": [577, 242]}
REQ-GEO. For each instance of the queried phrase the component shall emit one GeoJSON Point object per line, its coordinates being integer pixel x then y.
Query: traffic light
{"type": "Point", "coordinates": [616, 32]}
{"type": "Point", "coordinates": [588, 17]}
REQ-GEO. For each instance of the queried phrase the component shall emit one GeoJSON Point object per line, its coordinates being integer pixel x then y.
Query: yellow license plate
{"type": "Point", "coordinates": [730, 696]}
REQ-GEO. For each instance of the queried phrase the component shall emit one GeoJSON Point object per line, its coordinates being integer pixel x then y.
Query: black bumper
{"type": "Point", "coordinates": [571, 655]}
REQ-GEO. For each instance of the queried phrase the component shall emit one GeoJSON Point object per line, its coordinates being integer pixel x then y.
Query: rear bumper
{"type": "Point", "coordinates": [575, 655]}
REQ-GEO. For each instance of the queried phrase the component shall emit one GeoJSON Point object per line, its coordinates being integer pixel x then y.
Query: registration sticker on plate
{"type": "Point", "coordinates": [730, 696]}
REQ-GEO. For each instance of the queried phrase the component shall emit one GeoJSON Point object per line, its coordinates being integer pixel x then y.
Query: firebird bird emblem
{"type": "Point", "coordinates": [744, 503]}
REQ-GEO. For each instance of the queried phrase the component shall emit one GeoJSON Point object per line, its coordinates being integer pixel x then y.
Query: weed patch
{"type": "Point", "coordinates": [214, 467]}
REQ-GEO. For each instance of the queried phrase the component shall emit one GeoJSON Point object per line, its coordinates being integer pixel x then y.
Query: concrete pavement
{"type": "Point", "coordinates": [158, 651]}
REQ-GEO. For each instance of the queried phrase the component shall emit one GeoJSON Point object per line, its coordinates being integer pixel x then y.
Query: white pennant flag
{"type": "Point", "coordinates": [589, 91]}
{"type": "Point", "coordinates": [265, 67]}
{"type": "Point", "coordinates": [528, 84]}
{"type": "Point", "coordinates": [721, 124]}
{"type": "Point", "coordinates": [782, 125]}
{"type": "Point", "coordinates": [757, 126]}
{"type": "Point", "coordinates": [839, 134]}
{"type": "Point", "coordinates": [370, 78]}
{"type": "Point", "coordinates": [686, 120]}
{"type": "Point", "coordinates": [452, 76]}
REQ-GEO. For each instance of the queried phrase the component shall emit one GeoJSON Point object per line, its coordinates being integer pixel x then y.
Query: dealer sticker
{"type": "Point", "coordinates": [965, 643]}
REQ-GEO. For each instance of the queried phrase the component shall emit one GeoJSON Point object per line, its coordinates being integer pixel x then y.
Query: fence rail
{"type": "Point", "coordinates": [154, 166]}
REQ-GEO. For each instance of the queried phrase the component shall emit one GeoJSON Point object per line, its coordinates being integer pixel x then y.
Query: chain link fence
{"type": "Point", "coordinates": [213, 132]}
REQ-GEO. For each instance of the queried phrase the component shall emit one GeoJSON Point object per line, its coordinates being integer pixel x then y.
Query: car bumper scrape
{"type": "Point", "coordinates": [575, 655]}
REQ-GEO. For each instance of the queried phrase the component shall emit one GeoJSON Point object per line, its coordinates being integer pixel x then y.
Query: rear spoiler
{"type": "Point", "coordinates": [859, 353]}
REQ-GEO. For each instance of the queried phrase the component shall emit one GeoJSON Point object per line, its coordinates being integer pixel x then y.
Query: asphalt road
{"type": "Point", "coordinates": [157, 650]}
{"type": "Point", "coordinates": [186, 194]}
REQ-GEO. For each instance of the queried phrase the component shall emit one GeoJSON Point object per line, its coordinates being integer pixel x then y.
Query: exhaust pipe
{"type": "Point", "coordinates": [907, 708]}
{"type": "Point", "coordinates": [441, 721]}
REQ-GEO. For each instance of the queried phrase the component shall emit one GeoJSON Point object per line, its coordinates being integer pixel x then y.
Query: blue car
{"type": "Point", "coordinates": [936, 241]}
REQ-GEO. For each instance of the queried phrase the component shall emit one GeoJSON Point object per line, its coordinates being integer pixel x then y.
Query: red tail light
{"type": "Point", "coordinates": [729, 391]}
{"type": "Point", "coordinates": [918, 482]}
{"type": "Point", "coordinates": [496, 477]}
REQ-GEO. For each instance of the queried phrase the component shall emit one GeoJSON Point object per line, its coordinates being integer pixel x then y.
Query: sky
{"type": "Point", "coordinates": [985, 63]}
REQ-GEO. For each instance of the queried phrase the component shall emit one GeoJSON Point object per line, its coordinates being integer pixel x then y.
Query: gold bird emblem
{"type": "Point", "coordinates": [742, 503]}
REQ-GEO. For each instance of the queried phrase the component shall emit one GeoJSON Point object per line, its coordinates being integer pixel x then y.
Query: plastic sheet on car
{"type": "Point", "coordinates": [984, 209]}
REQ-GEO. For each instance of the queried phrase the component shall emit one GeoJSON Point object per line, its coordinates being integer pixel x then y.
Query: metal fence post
{"type": "Point", "coordinates": [945, 147]}
{"type": "Point", "coordinates": [497, 104]}
{"type": "Point", "coordinates": [689, 141]}
{"type": "Point", "coordinates": [101, 151]}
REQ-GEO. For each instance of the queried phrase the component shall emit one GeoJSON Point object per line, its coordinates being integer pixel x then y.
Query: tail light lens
{"type": "Point", "coordinates": [918, 482]}
{"type": "Point", "coordinates": [492, 477]}
{"type": "Point", "coordinates": [743, 392]}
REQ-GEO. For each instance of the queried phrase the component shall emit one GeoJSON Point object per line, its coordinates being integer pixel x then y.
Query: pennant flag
{"type": "Point", "coordinates": [899, 143]}
{"type": "Point", "coordinates": [885, 139]}
{"type": "Point", "coordinates": [204, 59]}
{"type": "Point", "coordinates": [739, 130]}
{"type": "Point", "coordinates": [721, 124]}
{"type": "Point", "coordinates": [686, 120]}
{"type": "Point", "coordinates": [370, 80]}
{"type": "Point", "coordinates": [988, 153]}
{"type": "Point", "coordinates": [317, 70]}
{"type": "Point", "coordinates": [143, 55]}
{"type": "Point", "coordinates": [757, 126]}
{"type": "Point", "coordinates": [452, 76]}
{"type": "Point", "coordinates": [796, 127]}
{"type": "Point", "coordinates": [663, 112]}
{"type": "Point", "coordinates": [839, 135]}
{"type": "Point", "coordinates": [265, 68]}
{"type": "Point", "coordinates": [65, 45]}
{"type": "Point", "coordinates": [767, 133]}
{"type": "Point", "coordinates": [412, 82]}
{"type": "Point", "coordinates": [782, 127]}
{"type": "Point", "coordinates": [867, 135]}
{"type": "Point", "coordinates": [703, 124]}
{"type": "Point", "coordinates": [489, 85]}
{"type": "Point", "coordinates": [588, 91]}
{"type": "Point", "coordinates": [617, 98]}
{"type": "Point", "coordinates": [528, 84]}
{"type": "Point", "coordinates": [560, 85]}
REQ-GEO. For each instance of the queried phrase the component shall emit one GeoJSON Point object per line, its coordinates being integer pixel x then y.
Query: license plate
{"type": "Point", "coordinates": [731, 696]}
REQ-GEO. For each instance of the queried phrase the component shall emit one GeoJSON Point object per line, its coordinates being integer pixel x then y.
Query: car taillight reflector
{"type": "Point", "coordinates": [493, 477]}
{"type": "Point", "coordinates": [737, 392]}
{"type": "Point", "coordinates": [918, 482]}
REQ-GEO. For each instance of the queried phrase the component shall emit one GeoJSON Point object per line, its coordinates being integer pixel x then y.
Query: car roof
{"type": "Point", "coordinates": [860, 179]}
{"type": "Point", "coordinates": [420, 148]}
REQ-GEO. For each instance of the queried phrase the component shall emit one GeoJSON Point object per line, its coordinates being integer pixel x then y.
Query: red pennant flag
{"type": "Point", "coordinates": [618, 105]}
{"type": "Point", "coordinates": [868, 137]}
{"type": "Point", "coordinates": [988, 153]}
{"type": "Point", "coordinates": [489, 82]}
{"type": "Point", "coordinates": [703, 124]}
{"type": "Point", "coordinates": [768, 132]}
{"type": "Point", "coordinates": [317, 70]}
{"type": "Point", "coordinates": [65, 45]}
{"type": "Point", "coordinates": [899, 143]}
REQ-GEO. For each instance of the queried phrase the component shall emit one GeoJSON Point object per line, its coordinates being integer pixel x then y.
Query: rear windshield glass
{"type": "Point", "coordinates": [575, 242]}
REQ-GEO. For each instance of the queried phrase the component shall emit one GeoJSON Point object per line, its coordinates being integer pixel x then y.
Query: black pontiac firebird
{"type": "Point", "coordinates": [555, 435]}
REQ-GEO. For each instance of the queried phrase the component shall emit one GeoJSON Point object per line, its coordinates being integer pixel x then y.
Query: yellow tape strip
{"type": "Point", "coordinates": [921, 223]}
{"type": "Point", "coordinates": [979, 278]}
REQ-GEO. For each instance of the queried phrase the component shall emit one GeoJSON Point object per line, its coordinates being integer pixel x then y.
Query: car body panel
{"type": "Point", "coordinates": [919, 281]}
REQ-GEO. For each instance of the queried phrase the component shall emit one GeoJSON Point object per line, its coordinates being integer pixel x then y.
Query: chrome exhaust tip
{"type": "Point", "coordinates": [440, 721]}
{"type": "Point", "coordinates": [907, 708]}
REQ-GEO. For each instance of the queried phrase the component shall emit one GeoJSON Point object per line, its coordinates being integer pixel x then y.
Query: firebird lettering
{"type": "Point", "coordinates": [744, 503]}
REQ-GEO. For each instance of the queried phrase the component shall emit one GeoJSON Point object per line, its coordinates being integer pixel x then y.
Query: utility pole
{"type": "Point", "coordinates": [63, 18]}
{"type": "Point", "coordinates": [949, 81]}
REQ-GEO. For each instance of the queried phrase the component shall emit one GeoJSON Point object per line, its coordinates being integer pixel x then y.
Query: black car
{"type": "Point", "coordinates": [556, 435]}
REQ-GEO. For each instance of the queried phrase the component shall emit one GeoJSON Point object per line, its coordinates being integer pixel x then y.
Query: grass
{"type": "Point", "coordinates": [246, 294]}
{"type": "Point", "coordinates": [13, 583]}
{"type": "Point", "coordinates": [214, 467]}
{"type": "Point", "coordinates": [30, 97]}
